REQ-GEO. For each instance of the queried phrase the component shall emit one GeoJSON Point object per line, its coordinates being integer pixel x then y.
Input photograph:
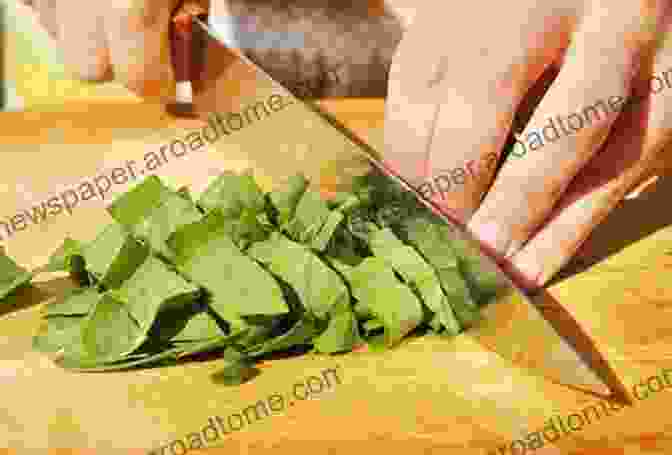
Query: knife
{"type": "Point", "coordinates": [229, 80]}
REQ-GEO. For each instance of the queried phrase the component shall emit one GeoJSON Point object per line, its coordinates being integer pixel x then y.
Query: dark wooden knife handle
{"type": "Point", "coordinates": [185, 48]}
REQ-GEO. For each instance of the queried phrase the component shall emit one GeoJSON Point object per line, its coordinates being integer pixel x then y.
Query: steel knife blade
{"type": "Point", "coordinates": [531, 329]}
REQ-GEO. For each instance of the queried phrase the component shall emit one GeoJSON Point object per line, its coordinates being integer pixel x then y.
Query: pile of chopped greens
{"type": "Point", "coordinates": [248, 274]}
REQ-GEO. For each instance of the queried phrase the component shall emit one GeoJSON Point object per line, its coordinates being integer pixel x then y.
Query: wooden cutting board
{"type": "Point", "coordinates": [428, 396]}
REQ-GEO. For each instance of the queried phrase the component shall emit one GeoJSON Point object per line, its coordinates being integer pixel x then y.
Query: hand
{"type": "Point", "coordinates": [130, 41]}
{"type": "Point", "coordinates": [127, 40]}
{"type": "Point", "coordinates": [461, 73]}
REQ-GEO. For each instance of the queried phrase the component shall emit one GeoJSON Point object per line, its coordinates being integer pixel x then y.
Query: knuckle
{"type": "Point", "coordinates": [147, 85]}
{"type": "Point", "coordinates": [139, 15]}
{"type": "Point", "coordinates": [96, 72]}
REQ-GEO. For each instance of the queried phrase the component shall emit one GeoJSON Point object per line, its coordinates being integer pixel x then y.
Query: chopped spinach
{"type": "Point", "coordinates": [248, 274]}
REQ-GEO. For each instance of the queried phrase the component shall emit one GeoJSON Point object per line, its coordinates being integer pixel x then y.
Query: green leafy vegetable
{"type": "Point", "coordinates": [239, 369]}
{"type": "Point", "coordinates": [166, 356]}
{"type": "Point", "coordinates": [114, 256]}
{"type": "Point", "coordinates": [163, 219]}
{"type": "Point", "coordinates": [319, 288]}
{"type": "Point", "coordinates": [210, 345]}
{"type": "Point", "coordinates": [12, 276]}
{"type": "Point", "coordinates": [413, 268]}
{"type": "Point", "coordinates": [76, 302]}
{"type": "Point", "coordinates": [110, 333]}
{"type": "Point", "coordinates": [286, 199]}
{"type": "Point", "coordinates": [154, 288]}
{"type": "Point", "coordinates": [342, 333]}
{"type": "Point", "coordinates": [237, 286]}
{"type": "Point", "coordinates": [202, 326]}
{"type": "Point", "coordinates": [132, 207]}
{"type": "Point", "coordinates": [58, 333]}
{"type": "Point", "coordinates": [248, 274]}
{"type": "Point", "coordinates": [61, 260]}
{"type": "Point", "coordinates": [433, 240]}
{"type": "Point", "coordinates": [484, 282]}
{"type": "Point", "coordinates": [301, 334]}
{"type": "Point", "coordinates": [390, 301]}
{"type": "Point", "coordinates": [231, 193]}
{"type": "Point", "coordinates": [313, 223]}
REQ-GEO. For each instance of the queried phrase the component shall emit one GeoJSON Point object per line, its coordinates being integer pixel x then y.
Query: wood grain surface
{"type": "Point", "coordinates": [429, 396]}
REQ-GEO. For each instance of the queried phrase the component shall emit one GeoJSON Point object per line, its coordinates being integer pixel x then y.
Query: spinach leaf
{"type": "Point", "coordinates": [210, 345]}
{"type": "Point", "coordinates": [310, 217]}
{"type": "Point", "coordinates": [201, 326]}
{"type": "Point", "coordinates": [130, 208]}
{"type": "Point", "coordinates": [231, 193]}
{"type": "Point", "coordinates": [114, 256]}
{"type": "Point", "coordinates": [76, 302]}
{"type": "Point", "coordinates": [434, 241]}
{"type": "Point", "coordinates": [301, 334]}
{"type": "Point", "coordinates": [483, 280]}
{"type": "Point", "coordinates": [61, 260]}
{"type": "Point", "coordinates": [285, 199]}
{"type": "Point", "coordinates": [161, 357]}
{"type": "Point", "coordinates": [152, 211]}
{"type": "Point", "coordinates": [342, 333]}
{"type": "Point", "coordinates": [319, 288]}
{"type": "Point", "coordinates": [58, 333]}
{"type": "Point", "coordinates": [321, 241]}
{"type": "Point", "coordinates": [238, 370]}
{"type": "Point", "coordinates": [163, 219]}
{"type": "Point", "coordinates": [245, 229]}
{"type": "Point", "coordinates": [109, 332]}
{"type": "Point", "coordinates": [185, 192]}
{"type": "Point", "coordinates": [236, 285]}
{"type": "Point", "coordinates": [389, 300]}
{"type": "Point", "coordinates": [12, 276]}
{"type": "Point", "coordinates": [258, 330]}
{"type": "Point", "coordinates": [154, 288]}
{"type": "Point", "coordinates": [373, 326]}
{"type": "Point", "coordinates": [415, 271]}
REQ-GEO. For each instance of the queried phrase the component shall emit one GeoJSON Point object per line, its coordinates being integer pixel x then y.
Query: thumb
{"type": "Point", "coordinates": [138, 33]}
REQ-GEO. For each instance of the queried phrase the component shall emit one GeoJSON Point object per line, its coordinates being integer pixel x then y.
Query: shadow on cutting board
{"type": "Point", "coordinates": [633, 220]}
{"type": "Point", "coordinates": [33, 294]}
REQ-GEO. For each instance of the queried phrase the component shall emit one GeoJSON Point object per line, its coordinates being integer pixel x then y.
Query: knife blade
{"type": "Point", "coordinates": [230, 80]}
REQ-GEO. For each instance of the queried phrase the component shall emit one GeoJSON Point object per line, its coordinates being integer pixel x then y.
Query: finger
{"type": "Point", "coordinates": [568, 127]}
{"type": "Point", "coordinates": [46, 14]}
{"type": "Point", "coordinates": [446, 123]}
{"type": "Point", "coordinates": [83, 42]}
{"type": "Point", "coordinates": [138, 33]}
{"type": "Point", "coordinates": [631, 154]}
{"type": "Point", "coordinates": [404, 10]}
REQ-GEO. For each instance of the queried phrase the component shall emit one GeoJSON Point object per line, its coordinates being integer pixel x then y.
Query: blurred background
{"type": "Point", "coordinates": [333, 48]}
{"type": "Point", "coordinates": [33, 73]}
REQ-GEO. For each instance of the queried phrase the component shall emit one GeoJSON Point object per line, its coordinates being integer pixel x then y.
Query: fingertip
{"type": "Point", "coordinates": [96, 69]}
{"type": "Point", "coordinates": [151, 86]}
{"type": "Point", "coordinates": [531, 272]}
{"type": "Point", "coordinates": [139, 43]}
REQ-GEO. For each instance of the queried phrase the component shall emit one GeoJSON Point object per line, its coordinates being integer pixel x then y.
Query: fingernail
{"type": "Point", "coordinates": [530, 269]}
{"type": "Point", "coordinates": [492, 234]}
{"type": "Point", "coordinates": [514, 247]}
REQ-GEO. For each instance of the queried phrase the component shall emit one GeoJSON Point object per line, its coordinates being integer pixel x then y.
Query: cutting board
{"type": "Point", "coordinates": [430, 395]}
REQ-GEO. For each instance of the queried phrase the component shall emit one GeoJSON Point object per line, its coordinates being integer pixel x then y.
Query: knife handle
{"type": "Point", "coordinates": [184, 47]}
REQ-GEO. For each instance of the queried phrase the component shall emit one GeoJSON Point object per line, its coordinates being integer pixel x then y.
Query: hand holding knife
{"type": "Point", "coordinates": [571, 358]}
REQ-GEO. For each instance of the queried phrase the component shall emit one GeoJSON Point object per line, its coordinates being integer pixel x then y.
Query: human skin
{"type": "Point", "coordinates": [457, 103]}
{"type": "Point", "coordinates": [458, 76]}
{"type": "Point", "coordinates": [127, 40]}
{"type": "Point", "coordinates": [331, 48]}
